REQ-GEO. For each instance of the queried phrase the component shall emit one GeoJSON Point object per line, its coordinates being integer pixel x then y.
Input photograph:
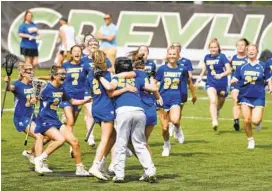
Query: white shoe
{"type": "Point", "coordinates": [38, 165]}
{"type": "Point", "coordinates": [111, 169]}
{"type": "Point", "coordinates": [215, 125]}
{"type": "Point", "coordinates": [251, 144]}
{"type": "Point", "coordinates": [103, 170]}
{"type": "Point", "coordinates": [171, 129]}
{"type": "Point", "coordinates": [94, 170]}
{"type": "Point", "coordinates": [129, 153]}
{"type": "Point", "coordinates": [166, 150]}
{"type": "Point", "coordinates": [29, 156]}
{"type": "Point", "coordinates": [45, 167]}
{"type": "Point", "coordinates": [80, 171]}
{"type": "Point", "coordinates": [180, 135]}
{"type": "Point", "coordinates": [91, 141]}
{"type": "Point", "coordinates": [143, 178]}
{"type": "Point", "coordinates": [259, 127]}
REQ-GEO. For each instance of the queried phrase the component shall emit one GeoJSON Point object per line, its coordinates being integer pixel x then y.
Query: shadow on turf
{"type": "Point", "coordinates": [264, 146]}
{"type": "Point", "coordinates": [188, 154]}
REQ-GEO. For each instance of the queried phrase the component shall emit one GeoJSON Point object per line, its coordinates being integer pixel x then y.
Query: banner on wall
{"type": "Point", "coordinates": [155, 24]}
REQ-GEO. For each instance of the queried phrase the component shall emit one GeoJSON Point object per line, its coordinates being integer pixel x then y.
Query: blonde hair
{"type": "Point", "coordinates": [172, 47]}
{"type": "Point", "coordinates": [99, 60]}
{"type": "Point", "coordinates": [21, 69]}
{"type": "Point", "coordinates": [254, 46]}
{"type": "Point", "coordinates": [214, 40]}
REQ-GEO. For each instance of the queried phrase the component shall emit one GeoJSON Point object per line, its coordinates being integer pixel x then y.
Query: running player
{"type": "Point", "coordinates": [237, 60]}
{"type": "Point", "coordinates": [170, 76]}
{"type": "Point", "coordinates": [74, 88]}
{"type": "Point", "coordinates": [217, 82]}
{"type": "Point", "coordinates": [24, 102]}
{"type": "Point", "coordinates": [252, 77]}
{"type": "Point", "coordinates": [186, 64]}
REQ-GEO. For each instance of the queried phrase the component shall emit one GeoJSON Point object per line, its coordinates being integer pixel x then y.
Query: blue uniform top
{"type": "Point", "coordinates": [75, 78]}
{"type": "Point", "coordinates": [129, 98]}
{"type": "Point", "coordinates": [269, 65]}
{"type": "Point", "coordinates": [216, 65]}
{"type": "Point", "coordinates": [25, 42]}
{"type": "Point", "coordinates": [51, 96]}
{"type": "Point", "coordinates": [186, 64]}
{"type": "Point", "coordinates": [252, 80]}
{"type": "Point", "coordinates": [150, 66]}
{"type": "Point", "coordinates": [170, 79]}
{"type": "Point", "coordinates": [236, 62]}
{"type": "Point", "coordinates": [101, 101]}
{"type": "Point", "coordinates": [23, 94]}
{"type": "Point", "coordinates": [148, 99]}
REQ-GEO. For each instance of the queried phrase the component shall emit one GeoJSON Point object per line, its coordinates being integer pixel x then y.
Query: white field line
{"type": "Point", "coordinates": [183, 117]}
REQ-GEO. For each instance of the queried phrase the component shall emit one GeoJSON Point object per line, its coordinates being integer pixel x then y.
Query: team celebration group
{"type": "Point", "coordinates": [123, 97]}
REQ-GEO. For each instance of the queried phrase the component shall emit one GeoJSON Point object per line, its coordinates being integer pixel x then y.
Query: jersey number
{"type": "Point", "coordinates": [27, 104]}
{"type": "Point", "coordinates": [213, 73]}
{"type": "Point", "coordinates": [54, 105]}
{"type": "Point", "coordinates": [250, 80]}
{"type": "Point", "coordinates": [75, 76]}
{"type": "Point", "coordinates": [96, 89]}
{"type": "Point", "coordinates": [171, 83]}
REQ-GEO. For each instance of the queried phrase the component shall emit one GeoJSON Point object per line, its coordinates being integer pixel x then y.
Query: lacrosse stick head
{"type": "Point", "coordinates": [9, 63]}
{"type": "Point", "coordinates": [38, 85]}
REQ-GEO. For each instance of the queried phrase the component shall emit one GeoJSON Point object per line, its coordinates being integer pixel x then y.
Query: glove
{"type": "Point", "coordinates": [98, 73]}
{"type": "Point", "coordinates": [152, 74]}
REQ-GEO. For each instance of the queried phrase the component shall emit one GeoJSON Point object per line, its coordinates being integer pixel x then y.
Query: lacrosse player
{"type": "Point", "coordinates": [252, 77]}
{"type": "Point", "coordinates": [170, 76]}
{"type": "Point", "coordinates": [24, 102]}
{"type": "Point", "coordinates": [48, 122]}
{"type": "Point", "coordinates": [237, 60]}
{"type": "Point", "coordinates": [218, 68]}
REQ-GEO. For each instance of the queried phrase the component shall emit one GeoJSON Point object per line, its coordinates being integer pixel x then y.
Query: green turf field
{"type": "Point", "coordinates": [206, 161]}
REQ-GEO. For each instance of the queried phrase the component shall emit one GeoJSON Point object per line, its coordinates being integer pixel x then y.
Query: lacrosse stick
{"type": "Point", "coordinates": [37, 87]}
{"type": "Point", "coordinates": [89, 132]}
{"type": "Point", "coordinates": [9, 63]}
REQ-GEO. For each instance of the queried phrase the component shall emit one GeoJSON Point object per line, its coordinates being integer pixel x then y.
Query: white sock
{"type": "Point", "coordinates": [250, 139]}
{"type": "Point", "coordinates": [43, 156]}
{"type": "Point", "coordinates": [79, 164]}
{"type": "Point", "coordinates": [167, 142]}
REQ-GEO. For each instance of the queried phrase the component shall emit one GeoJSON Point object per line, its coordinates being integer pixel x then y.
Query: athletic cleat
{"type": "Point", "coordinates": [29, 156]}
{"type": "Point", "coordinates": [180, 135]}
{"type": "Point", "coordinates": [111, 169]}
{"type": "Point", "coordinates": [236, 126]}
{"type": "Point", "coordinates": [171, 129]}
{"type": "Point", "coordinates": [151, 179]}
{"type": "Point", "coordinates": [95, 171]}
{"type": "Point", "coordinates": [259, 127]}
{"type": "Point", "coordinates": [143, 178]}
{"type": "Point", "coordinates": [129, 153]}
{"type": "Point", "coordinates": [166, 150]}
{"type": "Point", "coordinates": [45, 168]}
{"type": "Point", "coordinates": [251, 144]}
{"type": "Point", "coordinates": [80, 171]}
{"type": "Point", "coordinates": [38, 165]}
{"type": "Point", "coordinates": [103, 170]}
{"type": "Point", "coordinates": [215, 125]}
{"type": "Point", "coordinates": [91, 141]}
{"type": "Point", "coordinates": [118, 179]}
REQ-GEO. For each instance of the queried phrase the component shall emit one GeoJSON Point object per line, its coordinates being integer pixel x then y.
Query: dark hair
{"type": "Point", "coordinates": [64, 19]}
{"type": "Point", "coordinates": [244, 40]}
{"type": "Point", "coordinates": [133, 54]}
{"type": "Point", "coordinates": [265, 55]}
{"type": "Point", "coordinates": [27, 11]}
{"type": "Point", "coordinates": [72, 50]}
{"type": "Point", "coordinates": [54, 70]}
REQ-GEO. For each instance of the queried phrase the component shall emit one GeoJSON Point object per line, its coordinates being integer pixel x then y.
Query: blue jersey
{"type": "Point", "coordinates": [51, 96]}
{"type": "Point", "coordinates": [216, 65]}
{"type": "Point", "coordinates": [186, 65]}
{"type": "Point", "coordinates": [269, 65]}
{"type": "Point", "coordinates": [25, 42]}
{"type": "Point", "coordinates": [101, 101]}
{"type": "Point", "coordinates": [75, 80]}
{"type": "Point", "coordinates": [129, 98]}
{"type": "Point", "coordinates": [252, 80]}
{"type": "Point", "coordinates": [236, 62]}
{"type": "Point", "coordinates": [148, 98]}
{"type": "Point", "coordinates": [150, 66]}
{"type": "Point", "coordinates": [23, 94]}
{"type": "Point", "coordinates": [170, 80]}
